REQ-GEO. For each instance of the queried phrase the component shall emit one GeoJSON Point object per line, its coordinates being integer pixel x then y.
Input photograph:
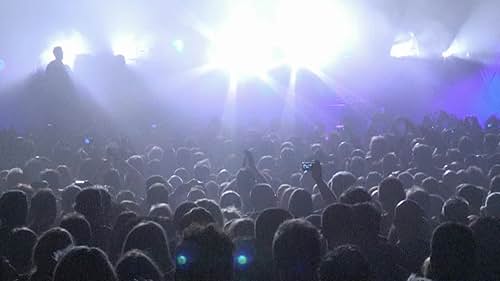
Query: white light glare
{"type": "Point", "coordinates": [131, 47]}
{"type": "Point", "coordinates": [300, 33]}
{"type": "Point", "coordinates": [73, 44]}
{"type": "Point", "coordinates": [406, 48]}
{"type": "Point", "coordinates": [243, 45]}
{"type": "Point", "coordinates": [312, 33]}
{"type": "Point", "coordinates": [178, 45]}
{"type": "Point", "coordinates": [452, 51]}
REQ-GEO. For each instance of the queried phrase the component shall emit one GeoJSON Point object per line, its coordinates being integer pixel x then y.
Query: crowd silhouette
{"type": "Point", "coordinates": [398, 201]}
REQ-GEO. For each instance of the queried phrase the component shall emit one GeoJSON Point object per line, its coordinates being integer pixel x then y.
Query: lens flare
{"type": "Point", "coordinates": [181, 260]}
{"type": "Point", "coordinates": [242, 260]}
{"type": "Point", "coordinates": [178, 45]}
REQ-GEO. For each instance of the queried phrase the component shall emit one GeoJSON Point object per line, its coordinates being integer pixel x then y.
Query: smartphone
{"type": "Point", "coordinates": [307, 166]}
{"type": "Point", "coordinates": [87, 140]}
{"type": "Point", "coordinates": [82, 183]}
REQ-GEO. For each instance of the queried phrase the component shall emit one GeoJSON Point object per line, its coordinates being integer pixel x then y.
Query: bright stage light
{"type": "Point", "coordinates": [178, 45]}
{"type": "Point", "coordinates": [243, 46]}
{"type": "Point", "coordinates": [131, 47]}
{"type": "Point", "coordinates": [312, 33]}
{"type": "Point", "coordinates": [299, 33]}
{"type": "Point", "coordinates": [407, 47]}
{"type": "Point", "coordinates": [456, 49]}
{"type": "Point", "coordinates": [73, 44]}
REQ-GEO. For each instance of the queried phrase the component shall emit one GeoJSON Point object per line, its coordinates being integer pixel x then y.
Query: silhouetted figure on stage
{"type": "Point", "coordinates": [56, 69]}
{"type": "Point", "coordinates": [60, 92]}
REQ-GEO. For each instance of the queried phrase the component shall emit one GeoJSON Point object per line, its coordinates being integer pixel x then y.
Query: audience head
{"type": "Point", "coordinates": [337, 224]}
{"type": "Point", "coordinates": [486, 231]}
{"type": "Point", "coordinates": [420, 196]}
{"type": "Point", "coordinates": [409, 222]}
{"type": "Point", "coordinates": [390, 193]}
{"type": "Point", "coordinates": [230, 198]}
{"type": "Point", "coordinates": [157, 193]}
{"type": "Point", "coordinates": [453, 253]}
{"type": "Point", "coordinates": [47, 247]}
{"type": "Point", "coordinates": [422, 155]}
{"type": "Point", "coordinates": [68, 196]}
{"type": "Point", "coordinates": [19, 247]}
{"type": "Point", "coordinates": [204, 253]}
{"type": "Point", "coordinates": [243, 228]}
{"type": "Point", "coordinates": [13, 208]}
{"type": "Point", "coordinates": [43, 210]}
{"type": "Point", "coordinates": [455, 210]}
{"type": "Point", "coordinates": [266, 224]}
{"type": "Point", "coordinates": [181, 210]}
{"type": "Point", "coordinates": [89, 203]}
{"type": "Point", "coordinates": [160, 210]}
{"type": "Point", "coordinates": [52, 177]}
{"type": "Point", "coordinates": [134, 265]}
{"type": "Point", "coordinates": [492, 205]}
{"type": "Point", "coordinates": [213, 208]}
{"type": "Point", "coordinates": [297, 250]}
{"type": "Point", "coordinates": [262, 197]}
{"type": "Point", "coordinates": [14, 177]}
{"type": "Point", "coordinates": [474, 196]}
{"type": "Point", "coordinates": [300, 203]}
{"type": "Point", "coordinates": [78, 227]}
{"type": "Point", "coordinates": [198, 216]}
{"type": "Point", "coordinates": [150, 238]}
{"type": "Point", "coordinates": [495, 184]}
{"type": "Point", "coordinates": [354, 195]}
{"type": "Point", "coordinates": [84, 263]}
{"type": "Point", "coordinates": [345, 263]}
{"type": "Point", "coordinates": [366, 222]}
{"type": "Point", "coordinates": [342, 181]}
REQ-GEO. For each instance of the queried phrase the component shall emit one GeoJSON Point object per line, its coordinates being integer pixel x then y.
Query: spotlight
{"type": "Point", "coordinates": [242, 46]}
{"type": "Point", "coordinates": [131, 47]}
{"type": "Point", "coordinates": [447, 54]}
{"type": "Point", "coordinates": [72, 44]}
{"type": "Point", "coordinates": [312, 33]}
{"type": "Point", "coordinates": [178, 45]}
{"type": "Point", "coordinates": [407, 47]}
{"type": "Point", "coordinates": [455, 49]}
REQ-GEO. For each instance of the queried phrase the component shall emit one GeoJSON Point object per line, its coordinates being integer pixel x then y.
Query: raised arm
{"type": "Point", "coordinates": [326, 194]}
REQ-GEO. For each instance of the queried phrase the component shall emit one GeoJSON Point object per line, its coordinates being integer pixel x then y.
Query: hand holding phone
{"type": "Point", "coordinates": [307, 166]}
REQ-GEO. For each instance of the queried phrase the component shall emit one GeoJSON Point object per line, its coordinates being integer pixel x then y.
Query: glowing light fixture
{"type": "Point", "coordinates": [243, 45]}
{"type": "Point", "coordinates": [312, 33]}
{"type": "Point", "coordinates": [406, 48]}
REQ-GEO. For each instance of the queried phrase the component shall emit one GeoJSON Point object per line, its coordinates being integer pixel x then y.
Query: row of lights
{"type": "Point", "coordinates": [410, 48]}
{"type": "Point", "coordinates": [130, 46]}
